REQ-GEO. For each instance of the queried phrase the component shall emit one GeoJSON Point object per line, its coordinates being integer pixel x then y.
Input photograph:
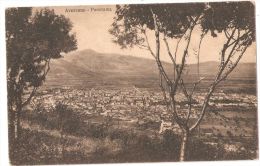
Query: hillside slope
{"type": "Point", "coordinates": [88, 68]}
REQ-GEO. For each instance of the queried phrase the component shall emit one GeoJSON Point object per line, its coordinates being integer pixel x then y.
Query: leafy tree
{"type": "Point", "coordinates": [176, 23]}
{"type": "Point", "coordinates": [32, 40]}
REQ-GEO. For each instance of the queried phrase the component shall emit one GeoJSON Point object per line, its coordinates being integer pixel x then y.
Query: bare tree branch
{"type": "Point", "coordinates": [198, 67]}
{"type": "Point", "coordinates": [171, 57]}
{"type": "Point", "coordinates": [185, 52]}
{"type": "Point", "coordinates": [148, 44]}
{"type": "Point", "coordinates": [204, 106]}
{"type": "Point", "coordinates": [218, 78]}
{"type": "Point", "coordinates": [157, 54]}
{"type": "Point", "coordinates": [241, 37]}
{"type": "Point", "coordinates": [225, 47]}
{"type": "Point", "coordinates": [234, 65]}
{"type": "Point", "coordinates": [189, 110]}
{"type": "Point", "coordinates": [173, 102]}
{"type": "Point", "coordinates": [28, 100]}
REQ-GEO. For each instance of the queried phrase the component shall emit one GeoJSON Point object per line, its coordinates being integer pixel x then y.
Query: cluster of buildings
{"type": "Point", "coordinates": [133, 104]}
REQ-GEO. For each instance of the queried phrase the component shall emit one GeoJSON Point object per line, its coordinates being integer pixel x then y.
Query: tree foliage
{"type": "Point", "coordinates": [175, 19]}
{"type": "Point", "coordinates": [32, 41]}
{"type": "Point", "coordinates": [220, 17]}
{"type": "Point", "coordinates": [33, 38]}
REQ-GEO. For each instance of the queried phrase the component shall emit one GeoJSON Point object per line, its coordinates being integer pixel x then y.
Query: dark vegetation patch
{"type": "Point", "coordinates": [41, 148]}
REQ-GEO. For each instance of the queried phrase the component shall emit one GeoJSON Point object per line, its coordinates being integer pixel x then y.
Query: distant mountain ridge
{"type": "Point", "coordinates": [90, 68]}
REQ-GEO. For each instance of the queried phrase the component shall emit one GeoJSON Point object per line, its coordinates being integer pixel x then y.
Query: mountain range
{"type": "Point", "coordinates": [89, 68]}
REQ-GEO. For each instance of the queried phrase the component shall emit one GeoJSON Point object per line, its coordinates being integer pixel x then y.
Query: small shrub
{"type": "Point", "coordinates": [39, 115]}
{"type": "Point", "coordinates": [67, 120]}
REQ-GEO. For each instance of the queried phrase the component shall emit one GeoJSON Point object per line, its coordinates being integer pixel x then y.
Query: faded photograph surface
{"type": "Point", "coordinates": [132, 83]}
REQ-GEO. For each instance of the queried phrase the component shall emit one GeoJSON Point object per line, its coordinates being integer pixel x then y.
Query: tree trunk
{"type": "Point", "coordinates": [18, 117]}
{"type": "Point", "coordinates": [11, 127]}
{"type": "Point", "coordinates": [184, 146]}
{"type": "Point", "coordinates": [11, 119]}
{"type": "Point", "coordinates": [61, 134]}
{"type": "Point", "coordinates": [19, 121]}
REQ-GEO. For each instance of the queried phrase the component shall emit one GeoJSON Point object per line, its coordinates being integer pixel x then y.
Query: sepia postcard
{"type": "Point", "coordinates": [131, 83]}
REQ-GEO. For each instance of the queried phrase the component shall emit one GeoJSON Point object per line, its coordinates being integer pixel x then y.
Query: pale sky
{"type": "Point", "coordinates": [91, 28]}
